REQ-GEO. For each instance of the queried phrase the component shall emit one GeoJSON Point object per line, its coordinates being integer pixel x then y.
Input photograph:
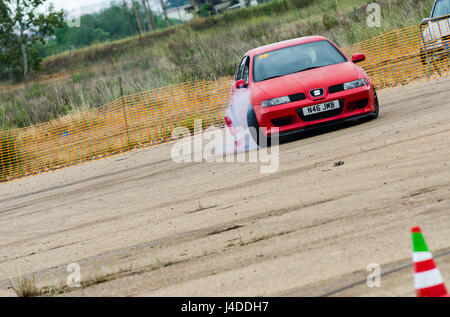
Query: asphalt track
{"type": "Point", "coordinates": [224, 229]}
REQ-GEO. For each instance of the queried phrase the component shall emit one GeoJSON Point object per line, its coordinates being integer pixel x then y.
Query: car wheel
{"type": "Point", "coordinates": [373, 115]}
{"type": "Point", "coordinates": [377, 106]}
{"type": "Point", "coordinates": [255, 130]}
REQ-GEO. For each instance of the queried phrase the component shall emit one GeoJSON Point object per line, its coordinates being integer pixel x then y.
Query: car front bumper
{"type": "Point", "coordinates": [287, 119]}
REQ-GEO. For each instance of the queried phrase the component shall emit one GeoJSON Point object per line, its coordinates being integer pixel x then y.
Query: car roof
{"type": "Point", "coordinates": [283, 44]}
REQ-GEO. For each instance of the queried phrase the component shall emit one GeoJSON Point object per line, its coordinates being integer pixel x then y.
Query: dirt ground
{"type": "Point", "coordinates": [140, 224]}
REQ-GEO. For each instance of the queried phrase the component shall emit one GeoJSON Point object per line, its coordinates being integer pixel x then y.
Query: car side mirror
{"type": "Point", "coordinates": [240, 84]}
{"type": "Point", "coordinates": [358, 58]}
{"type": "Point", "coordinates": [425, 20]}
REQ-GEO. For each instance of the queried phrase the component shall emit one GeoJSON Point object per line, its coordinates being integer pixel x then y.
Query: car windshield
{"type": "Point", "coordinates": [441, 8]}
{"type": "Point", "coordinates": [295, 59]}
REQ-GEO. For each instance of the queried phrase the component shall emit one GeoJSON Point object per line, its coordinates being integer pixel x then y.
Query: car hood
{"type": "Point", "coordinates": [305, 81]}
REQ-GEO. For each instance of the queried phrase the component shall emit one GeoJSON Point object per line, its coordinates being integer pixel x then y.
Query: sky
{"type": "Point", "coordinates": [83, 5]}
{"type": "Point", "coordinates": [78, 7]}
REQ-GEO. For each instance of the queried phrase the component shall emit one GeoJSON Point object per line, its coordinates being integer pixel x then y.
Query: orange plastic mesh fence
{"type": "Point", "coordinates": [148, 118]}
{"type": "Point", "coordinates": [406, 55]}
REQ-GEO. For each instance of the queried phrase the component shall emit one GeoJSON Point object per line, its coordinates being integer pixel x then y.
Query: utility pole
{"type": "Point", "coordinates": [22, 45]}
{"type": "Point", "coordinates": [24, 56]}
{"type": "Point", "coordinates": [138, 22]}
{"type": "Point", "coordinates": [122, 97]}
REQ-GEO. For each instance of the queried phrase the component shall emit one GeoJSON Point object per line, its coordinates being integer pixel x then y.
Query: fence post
{"type": "Point", "coordinates": [124, 111]}
{"type": "Point", "coordinates": [2, 149]}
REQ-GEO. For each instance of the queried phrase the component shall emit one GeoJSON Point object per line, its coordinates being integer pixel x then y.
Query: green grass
{"type": "Point", "coordinates": [201, 49]}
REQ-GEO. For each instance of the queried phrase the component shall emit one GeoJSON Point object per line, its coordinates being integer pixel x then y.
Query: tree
{"type": "Point", "coordinates": [22, 27]}
{"type": "Point", "coordinates": [164, 10]}
{"type": "Point", "coordinates": [205, 10]}
{"type": "Point", "coordinates": [149, 14]}
{"type": "Point", "coordinates": [138, 21]}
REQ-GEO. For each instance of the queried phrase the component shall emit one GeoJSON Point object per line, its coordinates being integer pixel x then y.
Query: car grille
{"type": "Point", "coordinates": [336, 88]}
{"type": "Point", "coordinates": [281, 122]}
{"type": "Point", "coordinates": [322, 115]}
{"type": "Point", "coordinates": [297, 97]}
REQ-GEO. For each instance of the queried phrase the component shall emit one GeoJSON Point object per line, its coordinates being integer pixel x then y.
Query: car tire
{"type": "Point", "coordinates": [375, 114]}
{"type": "Point", "coordinates": [255, 130]}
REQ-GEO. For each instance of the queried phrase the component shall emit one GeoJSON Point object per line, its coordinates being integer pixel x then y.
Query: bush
{"type": "Point", "coordinates": [329, 21]}
{"type": "Point", "coordinates": [205, 11]}
{"type": "Point", "coordinates": [9, 157]}
{"type": "Point", "coordinates": [302, 3]}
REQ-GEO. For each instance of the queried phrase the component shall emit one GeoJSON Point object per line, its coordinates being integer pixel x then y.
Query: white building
{"type": "Point", "coordinates": [179, 13]}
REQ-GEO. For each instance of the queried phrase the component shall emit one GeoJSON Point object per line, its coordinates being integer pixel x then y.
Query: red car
{"type": "Point", "coordinates": [303, 83]}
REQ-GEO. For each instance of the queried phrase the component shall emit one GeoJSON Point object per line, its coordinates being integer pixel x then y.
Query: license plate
{"type": "Point", "coordinates": [327, 106]}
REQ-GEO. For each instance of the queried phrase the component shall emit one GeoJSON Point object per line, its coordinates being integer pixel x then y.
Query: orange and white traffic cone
{"type": "Point", "coordinates": [427, 278]}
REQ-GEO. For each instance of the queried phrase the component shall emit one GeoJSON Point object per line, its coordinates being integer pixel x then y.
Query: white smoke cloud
{"type": "Point", "coordinates": [237, 113]}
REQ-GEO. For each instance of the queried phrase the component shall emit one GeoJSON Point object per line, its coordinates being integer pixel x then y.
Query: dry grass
{"type": "Point", "coordinates": [25, 287]}
{"type": "Point", "coordinates": [101, 277]}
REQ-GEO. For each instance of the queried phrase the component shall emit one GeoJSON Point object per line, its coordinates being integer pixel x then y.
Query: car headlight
{"type": "Point", "coordinates": [276, 101]}
{"type": "Point", "coordinates": [355, 84]}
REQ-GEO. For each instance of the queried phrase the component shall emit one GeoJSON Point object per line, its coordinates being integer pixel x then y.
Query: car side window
{"type": "Point", "coordinates": [246, 70]}
{"type": "Point", "coordinates": [239, 73]}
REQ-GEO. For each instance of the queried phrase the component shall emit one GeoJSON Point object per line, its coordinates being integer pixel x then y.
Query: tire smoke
{"type": "Point", "coordinates": [236, 119]}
